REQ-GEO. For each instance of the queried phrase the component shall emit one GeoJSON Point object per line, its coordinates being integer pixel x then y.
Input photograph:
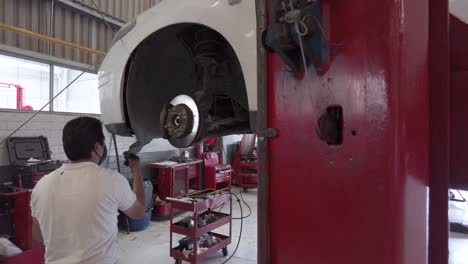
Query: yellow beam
{"type": "Point", "coordinates": [53, 40]}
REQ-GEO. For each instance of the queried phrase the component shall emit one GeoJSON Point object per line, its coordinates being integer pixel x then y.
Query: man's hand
{"type": "Point", "coordinates": [138, 210]}
{"type": "Point", "coordinates": [36, 231]}
{"type": "Point", "coordinates": [131, 160]}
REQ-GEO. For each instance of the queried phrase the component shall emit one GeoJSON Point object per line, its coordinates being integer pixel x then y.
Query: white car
{"type": "Point", "coordinates": [184, 70]}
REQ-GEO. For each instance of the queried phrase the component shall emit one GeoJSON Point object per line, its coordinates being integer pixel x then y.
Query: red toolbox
{"type": "Point", "coordinates": [173, 179]}
{"type": "Point", "coordinates": [217, 175]}
{"type": "Point", "coordinates": [21, 150]}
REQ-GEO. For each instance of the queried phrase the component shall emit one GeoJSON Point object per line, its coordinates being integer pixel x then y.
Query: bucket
{"type": "Point", "coordinates": [126, 223]}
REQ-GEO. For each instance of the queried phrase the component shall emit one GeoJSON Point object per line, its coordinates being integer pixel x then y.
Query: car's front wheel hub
{"type": "Point", "coordinates": [180, 121]}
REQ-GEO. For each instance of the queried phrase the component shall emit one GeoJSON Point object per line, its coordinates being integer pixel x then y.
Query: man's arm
{"type": "Point", "coordinates": [138, 209]}
{"type": "Point", "coordinates": [36, 231]}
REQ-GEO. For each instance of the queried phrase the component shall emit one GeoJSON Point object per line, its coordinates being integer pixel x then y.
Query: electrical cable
{"type": "Point", "coordinates": [222, 207]}
{"type": "Point", "coordinates": [240, 231]}
{"type": "Point", "coordinates": [61, 91]}
{"type": "Point", "coordinates": [109, 26]}
{"type": "Point", "coordinates": [96, 8]}
{"type": "Point", "coordinates": [248, 206]}
{"type": "Point", "coordinates": [463, 198]}
{"type": "Point", "coordinates": [48, 103]}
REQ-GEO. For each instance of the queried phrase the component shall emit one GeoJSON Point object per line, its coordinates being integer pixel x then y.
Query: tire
{"type": "Point", "coordinates": [225, 252]}
{"type": "Point", "coordinates": [178, 261]}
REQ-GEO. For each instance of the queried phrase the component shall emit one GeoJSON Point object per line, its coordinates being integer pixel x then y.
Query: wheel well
{"type": "Point", "coordinates": [166, 64]}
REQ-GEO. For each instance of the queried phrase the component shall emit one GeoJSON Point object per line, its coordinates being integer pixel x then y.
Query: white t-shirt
{"type": "Point", "coordinates": [77, 207]}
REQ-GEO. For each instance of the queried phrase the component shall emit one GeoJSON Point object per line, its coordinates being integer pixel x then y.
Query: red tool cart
{"type": "Point", "coordinates": [217, 175]}
{"type": "Point", "coordinates": [199, 226]}
{"type": "Point", "coordinates": [245, 164]}
{"type": "Point", "coordinates": [173, 179]}
{"type": "Point", "coordinates": [16, 224]}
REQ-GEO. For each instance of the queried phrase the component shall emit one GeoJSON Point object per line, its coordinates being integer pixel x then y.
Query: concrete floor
{"type": "Point", "coordinates": [458, 243]}
{"type": "Point", "coordinates": [152, 245]}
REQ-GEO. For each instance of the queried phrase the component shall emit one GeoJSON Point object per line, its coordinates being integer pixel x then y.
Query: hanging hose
{"type": "Point", "coordinates": [248, 206]}
{"type": "Point", "coordinates": [240, 231]}
{"type": "Point", "coordinates": [116, 153]}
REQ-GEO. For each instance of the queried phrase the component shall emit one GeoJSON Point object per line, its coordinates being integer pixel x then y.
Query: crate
{"type": "Point", "coordinates": [20, 150]}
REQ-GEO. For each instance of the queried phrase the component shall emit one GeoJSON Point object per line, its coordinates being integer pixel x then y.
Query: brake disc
{"type": "Point", "coordinates": [181, 121]}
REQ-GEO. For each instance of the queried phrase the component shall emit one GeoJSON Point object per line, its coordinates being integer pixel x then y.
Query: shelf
{"type": "Point", "coordinates": [197, 232]}
{"type": "Point", "coordinates": [225, 241]}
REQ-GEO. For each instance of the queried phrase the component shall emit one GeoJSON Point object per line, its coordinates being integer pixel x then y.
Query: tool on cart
{"type": "Point", "coordinates": [245, 164]}
{"type": "Point", "coordinates": [32, 159]}
{"type": "Point", "coordinates": [200, 225]}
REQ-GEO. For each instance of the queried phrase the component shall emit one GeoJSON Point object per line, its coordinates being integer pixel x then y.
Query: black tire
{"type": "Point", "coordinates": [225, 252]}
{"type": "Point", "coordinates": [178, 261]}
{"type": "Point", "coordinates": [245, 190]}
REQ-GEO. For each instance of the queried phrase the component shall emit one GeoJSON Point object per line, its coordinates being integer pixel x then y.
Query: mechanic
{"type": "Point", "coordinates": [75, 208]}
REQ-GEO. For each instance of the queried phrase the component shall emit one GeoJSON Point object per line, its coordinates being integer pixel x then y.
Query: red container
{"type": "Point", "coordinates": [217, 175]}
{"type": "Point", "coordinates": [33, 252]}
{"type": "Point", "coordinates": [175, 180]}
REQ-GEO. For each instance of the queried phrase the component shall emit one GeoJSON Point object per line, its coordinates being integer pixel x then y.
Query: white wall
{"type": "Point", "coordinates": [51, 125]}
{"type": "Point", "coordinates": [459, 8]}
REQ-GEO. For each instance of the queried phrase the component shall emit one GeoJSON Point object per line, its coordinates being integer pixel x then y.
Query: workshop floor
{"type": "Point", "coordinates": [152, 245]}
{"type": "Point", "coordinates": [458, 243]}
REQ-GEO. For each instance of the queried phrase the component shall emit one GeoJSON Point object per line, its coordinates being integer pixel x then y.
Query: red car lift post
{"type": "Point", "coordinates": [380, 196]}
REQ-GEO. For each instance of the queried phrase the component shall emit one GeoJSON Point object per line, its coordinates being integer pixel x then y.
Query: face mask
{"type": "Point", "coordinates": [104, 155]}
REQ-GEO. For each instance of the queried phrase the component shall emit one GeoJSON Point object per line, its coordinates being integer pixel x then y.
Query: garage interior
{"type": "Point", "coordinates": [369, 168]}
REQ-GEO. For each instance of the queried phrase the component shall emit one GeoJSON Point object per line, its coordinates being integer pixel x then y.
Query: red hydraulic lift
{"type": "Point", "coordinates": [19, 95]}
{"type": "Point", "coordinates": [379, 194]}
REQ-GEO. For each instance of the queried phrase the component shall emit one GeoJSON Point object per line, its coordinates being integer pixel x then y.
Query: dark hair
{"type": "Point", "coordinates": [79, 137]}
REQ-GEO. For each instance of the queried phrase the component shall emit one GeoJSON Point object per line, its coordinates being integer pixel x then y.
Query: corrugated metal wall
{"type": "Point", "coordinates": [121, 9]}
{"type": "Point", "coordinates": [66, 24]}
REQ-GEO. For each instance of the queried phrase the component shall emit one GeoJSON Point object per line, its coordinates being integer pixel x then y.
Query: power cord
{"type": "Point", "coordinates": [48, 103]}
{"type": "Point", "coordinates": [107, 24]}
{"type": "Point", "coordinates": [240, 231]}
{"type": "Point", "coordinates": [248, 206]}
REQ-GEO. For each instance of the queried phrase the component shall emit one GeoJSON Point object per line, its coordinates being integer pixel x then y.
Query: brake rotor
{"type": "Point", "coordinates": [181, 121]}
